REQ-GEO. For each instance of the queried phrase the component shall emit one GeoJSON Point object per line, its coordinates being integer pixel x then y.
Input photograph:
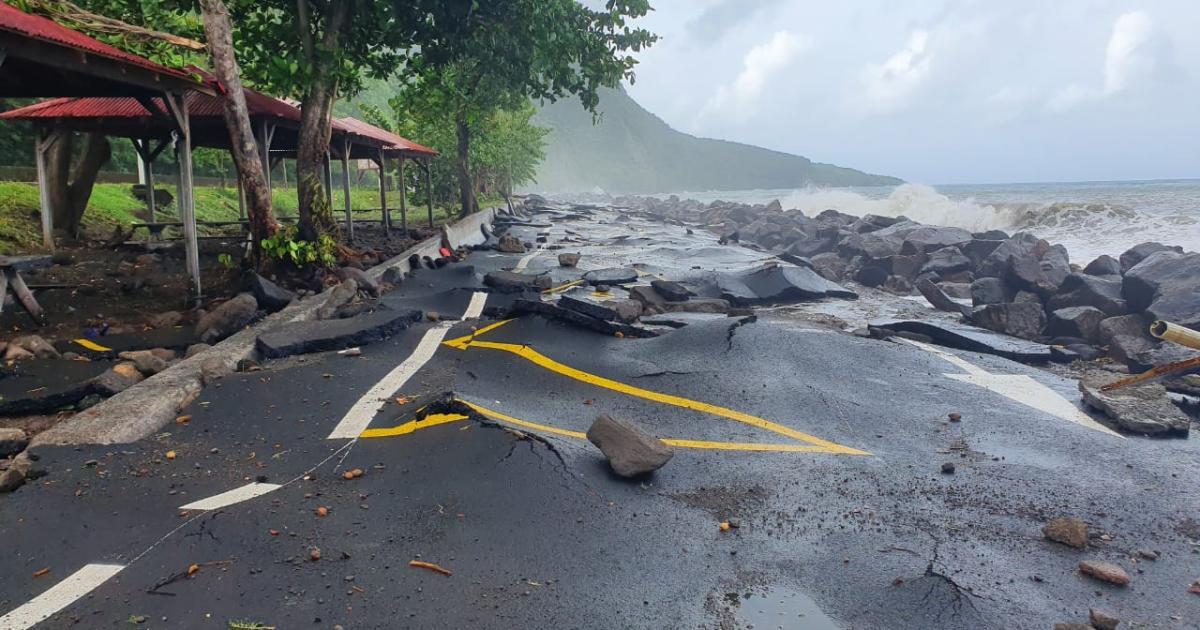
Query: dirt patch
{"type": "Point", "coordinates": [724, 502]}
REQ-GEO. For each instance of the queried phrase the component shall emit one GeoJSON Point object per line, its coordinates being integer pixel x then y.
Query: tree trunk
{"type": "Point", "coordinates": [316, 124]}
{"type": "Point", "coordinates": [466, 190]}
{"type": "Point", "coordinates": [218, 32]}
{"type": "Point", "coordinates": [69, 196]}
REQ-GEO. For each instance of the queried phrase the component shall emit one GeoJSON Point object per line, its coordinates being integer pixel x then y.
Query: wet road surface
{"type": "Point", "coordinates": [825, 448]}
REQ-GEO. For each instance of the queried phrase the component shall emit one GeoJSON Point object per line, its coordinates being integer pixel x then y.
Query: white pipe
{"type": "Point", "coordinates": [1174, 332]}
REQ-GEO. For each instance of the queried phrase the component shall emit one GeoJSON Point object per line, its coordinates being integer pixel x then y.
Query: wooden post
{"type": "Point", "coordinates": [42, 141]}
{"type": "Point", "coordinates": [266, 134]}
{"type": "Point", "coordinates": [429, 189]}
{"type": "Point", "coordinates": [241, 199]}
{"type": "Point", "coordinates": [383, 207]}
{"type": "Point", "coordinates": [346, 189]}
{"type": "Point", "coordinates": [150, 200]}
{"type": "Point", "coordinates": [187, 207]}
{"type": "Point", "coordinates": [403, 199]}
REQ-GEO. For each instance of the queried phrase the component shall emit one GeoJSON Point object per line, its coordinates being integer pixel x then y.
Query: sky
{"type": "Point", "coordinates": [938, 92]}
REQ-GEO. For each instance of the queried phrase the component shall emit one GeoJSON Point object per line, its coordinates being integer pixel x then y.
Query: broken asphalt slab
{"type": "Point", "coordinates": [966, 337]}
{"type": "Point", "coordinates": [335, 334]}
{"type": "Point", "coordinates": [46, 385]}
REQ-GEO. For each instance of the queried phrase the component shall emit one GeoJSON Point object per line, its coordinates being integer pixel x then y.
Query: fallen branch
{"type": "Point", "coordinates": [429, 565]}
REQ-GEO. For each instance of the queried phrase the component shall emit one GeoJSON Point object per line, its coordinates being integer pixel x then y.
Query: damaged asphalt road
{"type": "Point", "coordinates": [826, 450]}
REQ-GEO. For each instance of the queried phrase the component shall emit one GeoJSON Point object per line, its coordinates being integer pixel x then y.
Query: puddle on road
{"type": "Point", "coordinates": [781, 609]}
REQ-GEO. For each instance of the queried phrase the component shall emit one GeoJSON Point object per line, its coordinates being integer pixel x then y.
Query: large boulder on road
{"type": "Point", "coordinates": [630, 451]}
{"type": "Point", "coordinates": [1019, 319]}
{"type": "Point", "coordinates": [226, 319]}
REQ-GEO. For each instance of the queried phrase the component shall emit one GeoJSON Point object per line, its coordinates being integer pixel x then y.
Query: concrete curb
{"type": "Point", "coordinates": [152, 404]}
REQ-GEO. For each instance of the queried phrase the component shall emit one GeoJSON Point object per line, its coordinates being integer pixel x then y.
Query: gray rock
{"type": "Point", "coordinates": [1082, 322]}
{"type": "Point", "coordinates": [830, 266]}
{"type": "Point", "coordinates": [630, 451]}
{"type": "Point", "coordinates": [1080, 289]}
{"type": "Point", "coordinates": [929, 238]}
{"type": "Point", "coordinates": [989, 290]}
{"type": "Point", "coordinates": [699, 305]}
{"type": "Point", "coordinates": [12, 441]}
{"type": "Point", "coordinates": [365, 281]}
{"type": "Point", "coordinates": [319, 336]}
{"type": "Point", "coordinates": [871, 276]}
{"type": "Point", "coordinates": [216, 368]}
{"type": "Point", "coordinates": [269, 295]}
{"type": "Point", "coordinates": [958, 290]}
{"type": "Point", "coordinates": [1103, 620]}
{"type": "Point", "coordinates": [652, 302]}
{"type": "Point", "coordinates": [568, 259]}
{"type": "Point", "coordinates": [906, 266]}
{"type": "Point", "coordinates": [341, 295]}
{"type": "Point", "coordinates": [1019, 319]}
{"type": "Point", "coordinates": [613, 275]}
{"type": "Point", "coordinates": [898, 285]}
{"type": "Point", "coordinates": [1140, 358]}
{"type": "Point", "coordinates": [946, 261]}
{"type": "Point", "coordinates": [11, 479]}
{"type": "Point", "coordinates": [89, 401]}
{"type": "Point", "coordinates": [510, 244]}
{"type": "Point", "coordinates": [146, 361]}
{"type": "Point", "coordinates": [36, 345]}
{"type": "Point", "coordinates": [1103, 265]}
{"type": "Point", "coordinates": [978, 249]}
{"type": "Point", "coordinates": [117, 379]}
{"type": "Point", "coordinates": [940, 300]}
{"type": "Point", "coordinates": [226, 319]}
{"type": "Point", "coordinates": [628, 311]}
{"type": "Point", "coordinates": [195, 349]}
{"type": "Point", "coordinates": [513, 282]}
{"type": "Point", "coordinates": [1136, 254]}
{"type": "Point", "coordinates": [1022, 245]}
{"type": "Point", "coordinates": [1166, 285]}
{"type": "Point", "coordinates": [1141, 408]}
{"type": "Point", "coordinates": [671, 291]}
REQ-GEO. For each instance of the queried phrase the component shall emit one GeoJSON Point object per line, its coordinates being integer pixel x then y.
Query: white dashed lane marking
{"type": "Point", "coordinates": [59, 596]}
{"type": "Point", "coordinates": [237, 495]}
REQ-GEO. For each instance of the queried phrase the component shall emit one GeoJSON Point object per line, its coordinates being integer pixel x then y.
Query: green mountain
{"type": "Point", "coordinates": [631, 150]}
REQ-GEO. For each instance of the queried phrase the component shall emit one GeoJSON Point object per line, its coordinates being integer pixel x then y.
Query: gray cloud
{"type": "Point", "coordinates": [718, 18]}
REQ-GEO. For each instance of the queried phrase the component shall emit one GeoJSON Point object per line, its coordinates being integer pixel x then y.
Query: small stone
{"type": "Point", "coordinates": [1068, 531]}
{"type": "Point", "coordinates": [948, 468]}
{"type": "Point", "coordinates": [1102, 620]}
{"type": "Point", "coordinates": [955, 417]}
{"type": "Point", "coordinates": [432, 316]}
{"type": "Point", "coordinates": [171, 455]}
{"type": "Point", "coordinates": [735, 523]}
{"type": "Point", "coordinates": [12, 441]}
{"type": "Point", "coordinates": [1105, 572]}
{"type": "Point", "coordinates": [568, 259]}
{"type": "Point", "coordinates": [11, 479]}
{"type": "Point", "coordinates": [322, 511]}
{"type": "Point", "coordinates": [314, 554]}
{"type": "Point", "coordinates": [1148, 554]}
{"type": "Point", "coordinates": [351, 352]}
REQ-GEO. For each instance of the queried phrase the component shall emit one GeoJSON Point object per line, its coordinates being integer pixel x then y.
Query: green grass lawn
{"type": "Point", "coordinates": [112, 205]}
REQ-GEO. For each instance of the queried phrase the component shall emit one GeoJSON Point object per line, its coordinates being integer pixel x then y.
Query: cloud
{"type": "Point", "coordinates": [719, 18]}
{"type": "Point", "coordinates": [1137, 53]}
{"type": "Point", "coordinates": [738, 100]}
{"type": "Point", "coordinates": [889, 86]}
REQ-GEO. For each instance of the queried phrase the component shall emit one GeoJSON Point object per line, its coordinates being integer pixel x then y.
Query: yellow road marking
{"type": "Point", "coordinates": [496, 415]}
{"type": "Point", "coordinates": [535, 357]}
{"type": "Point", "coordinates": [563, 287]}
{"type": "Point", "coordinates": [431, 420]}
{"type": "Point", "coordinates": [91, 345]}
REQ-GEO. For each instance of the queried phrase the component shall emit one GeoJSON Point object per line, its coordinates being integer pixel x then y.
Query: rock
{"type": "Point", "coordinates": [652, 302]}
{"type": "Point", "coordinates": [36, 345]}
{"type": "Point", "coordinates": [1133, 325]}
{"type": "Point", "coordinates": [513, 282]}
{"type": "Point", "coordinates": [365, 281]}
{"type": "Point", "coordinates": [1071, 532]}
{"type": "Point", "coordinates": [319, 336]}
{"type": "Point", "coordinates": [227, 319]}
{"type": "Point", "coordinates": [929, 238]}
{"type": "Point", "coordinates": [1159, 354]}
{"type": "Point", "coordinates": [871, 276]}
{"type": "Point", "coordinates": [940, 300]}
{"type": "Point", "coordinates": [630, 451]}
{"type": "Point", "coordinates": [12, 441]}
{"type": "Point", "coordinates": [948, 468]}
{"type": "Point", "coordinates": [946, 261]}
{"type": "Point", "coordinates": [979, 248]}
{"type": "Point", "coordinates": [1167, 286]}
{"type": "Point", "coordinates": [957, 290]}
{"type": "Point", "coordinates": [195, 349]}
{"type": "Point", "coordinates": [1082, 322]}
{"type": "Point", "coordinates": [628, 311]}
{"type": "Point", "coordinates": [510, 244]}
{"type": "Point", "coordinates": [1148, 554]}
{"type": "Point", "coordinates": [1103, 265]}
{"type": "Point", "coordinates": [1072, 626]}
{"type": "Point", "coordinates": [1102, 620]}
{"type": "Point", "coordinates": [830, 266]}
{"type": "Point", "coordinates": [568, 259]}
{"type": "Point", "coordinates": [1102, 292]}
{"type": "Point", "coordinates": [166, 319]}
{"type": "Point", "coordinates": [898, 285]}
{"type": "Point", "coordinates": [907, 266]}
{"type": "Point", "coordinates": [117, 379]}
{"type": "Point", "coordinates": [1136, 254]}
{"type": "Point", "coordinates": [89, 401]}
{"type": "Point", "coordinates": [11, 479]}
{"type": "Point", "coordinates": [1105, 572]}
{"type": "Point", "coordinates": [164, 354]}
{"type": "Point", "coordinates": [145, 361]}
{"type": "Point", "coordinates": [269, 295]}
{"type": "Point", "coordinates": [14, 352]}
{"type": "Point", "coordinates": [599, 310]}
{"type": "Point", "coordinates": [1141, 408]}
{"type": "Point", "coordinates": [699, 305]}
{"type": "Point", "coordinates": [671, 291]}
{"type": "Point", "coordinates": [610, 276]}
{"type": "Point", "coordinates": [989, 290]}
{"type": "Point", "coordinates": [1022, 245]}
{"type": "Point", "coordinates": [214, 369]}
{"type": "Point", "coordinates": [1019, 319]}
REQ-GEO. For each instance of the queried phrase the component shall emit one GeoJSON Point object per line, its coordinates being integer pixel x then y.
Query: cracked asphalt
{"type": "Point", "coordinates": [537, 533]}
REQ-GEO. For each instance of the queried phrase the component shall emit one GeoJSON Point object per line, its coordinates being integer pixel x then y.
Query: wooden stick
{"type": "Point", "coordinates": [1153, 373]}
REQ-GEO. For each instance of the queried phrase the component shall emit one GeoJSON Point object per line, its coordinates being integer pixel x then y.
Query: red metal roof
{"type": "Point", "coordinates": [36, 27]}
{"type": "Point", "coordinates": [199, 106]}
{"type": "Point", "coordinates": [394, 142]}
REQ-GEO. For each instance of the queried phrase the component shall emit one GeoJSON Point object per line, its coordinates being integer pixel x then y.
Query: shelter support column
{"type": "Point", "coordinates": [383, 207]}
{"type": "Point", "coordinates": [43, 139]}
{"type": "Point", "coordinates": [346, 189]}
{"type": "Point", "coordinates": [403, 199]}
{"type": "Point", "coordinates": [429, 189]}
{"type": "Point", "coordinates": [187, 208]}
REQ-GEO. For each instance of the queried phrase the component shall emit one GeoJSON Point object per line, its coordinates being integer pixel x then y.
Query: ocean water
{"type": "Point", "coordinates": [1089, 218]}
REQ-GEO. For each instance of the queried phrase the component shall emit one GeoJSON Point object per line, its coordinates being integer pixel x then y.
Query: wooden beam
{"type": "Point", "coordinates": [186, 199]}
{"type": "Point", "coordinates": [24, 296]}
{"type": "Point", "coordinates": [346, 189]}
{"type": "Point", "coordinates": [429, 189]}
{"type": "Point", "coordinates": [43, 139]}
{"type": "Point", "coordinates": [403, 199]}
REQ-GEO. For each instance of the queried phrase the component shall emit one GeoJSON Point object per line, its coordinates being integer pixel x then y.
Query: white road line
{"type": "Point", "coordinates": [237, 495]}
{"type": "Point", "coordinates": [1019, 387]}
{"type": "Point", "coordinates": [360, 415]}
{"type": "Point", "coordinates": [526, 259]}
{"type": "Point", "coordinates": [59, 596]}
{"type": "Point", "coordinates": [475, 306]}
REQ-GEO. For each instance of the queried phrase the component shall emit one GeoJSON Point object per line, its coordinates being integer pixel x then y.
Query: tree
{"type": "Point", "coordinates": [69, 196]}
{"type": "Point", "coordinates": [512, 50]}
{"type": "Point", "coordinates": [242, 146]}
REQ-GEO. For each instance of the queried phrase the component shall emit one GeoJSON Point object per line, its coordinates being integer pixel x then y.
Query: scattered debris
{"type": "Point", "coordinates": [1103, 620]}
{"type": "Point", "coordinates": [948, 468]}
{"type": "Point", "coordinates": [1105, 572]}
{"type": "Point", "coordinates": [314, 553]}
{"type": "Point", "coordinates": [568, 259]}
{"type": "Point", "coordinates": [1068, 531]}
{"type": "Point", "coordinates": [429, 565]}
{"type": "Point", "coordinates": [40, 572]}
{"type": "Point", "coordinates": [955, 416]}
